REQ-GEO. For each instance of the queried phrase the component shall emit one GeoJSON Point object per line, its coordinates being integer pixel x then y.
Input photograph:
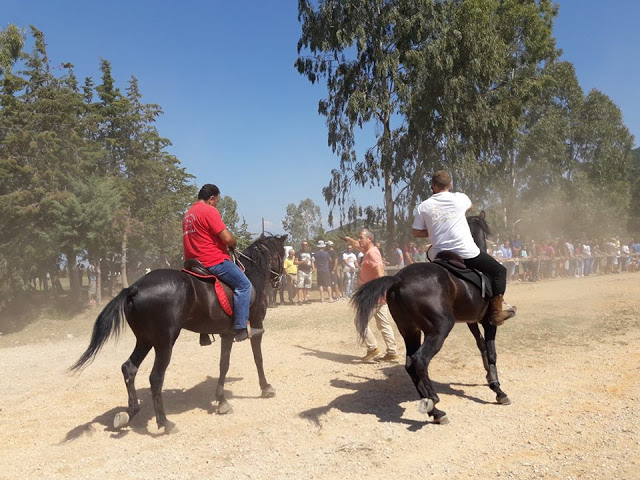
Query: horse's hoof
{"type": "Point", "coordinates": [224, 408]}
{"type": "Point", "coordinates": [168, 427]}
{"type": "Point", "coordinates": [443, 420]}
{"type": "Point", "coordinates": [426, 405]}
{"type": "Point", "coordinates": [120, 420]}
{"type": "Point", "coordinates": [503, 400]}
{"type": "Point", "coordinates": [268, 392]}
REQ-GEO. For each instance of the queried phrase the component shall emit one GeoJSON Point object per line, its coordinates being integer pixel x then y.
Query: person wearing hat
{"type": "Point", "coordinates": [322, 261]}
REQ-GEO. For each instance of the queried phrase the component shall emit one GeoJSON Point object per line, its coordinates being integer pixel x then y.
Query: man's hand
{"type": "Point", "coordinates": [227, 238]}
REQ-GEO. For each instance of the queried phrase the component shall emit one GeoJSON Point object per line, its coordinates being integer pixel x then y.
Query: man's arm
{"type": "Point", "coordinates": [352, 241]}
{"type": "Point", "coordinates": [227, 238]}
{"type": "Point", "coordinates": [380, 270]}
{"type": "Point", "coordinates": [420, 233]}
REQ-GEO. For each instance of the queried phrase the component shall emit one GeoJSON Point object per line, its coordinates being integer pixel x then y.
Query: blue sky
{"type": "Point", "coordinates": [237, 112]}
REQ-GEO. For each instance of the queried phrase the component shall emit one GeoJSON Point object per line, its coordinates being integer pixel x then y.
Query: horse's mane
{"type": "Point", "coordinates": [261, 251]}
{"type": "Point", "coordinates": [480, 221]}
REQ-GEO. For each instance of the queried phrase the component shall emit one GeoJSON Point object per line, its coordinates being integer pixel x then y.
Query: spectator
{"type": "Point", "coordinates": [372, 268]}
{"type": "Point", "coordinates": [586, 258]}
{"type": "Point", "coordinates": [507, 256]}
{"type": "Point", "coordinates": [408, 253]}
{"type": "Point", "coordinates": [523, 271]}
{"type": "Point", "coordinates": [335, 267]}
{"type": "Point", "coordinates": [290, 275]}
{"type": "Point", "coordinates": [322, 262]}
{"type": "Point", "coordinates": [624, 257]}
{"type": "Point", "coordinates": [420, 255]}
{"type": "Point", "coordinates": [516, 246]}
{"type": "Point", "coordinates": [304, 262]}
{"type": "Point", "coordinates": [349, 262]}
{"type": "Point", "coordinates": [398, 259]}
{"type": "Point", "coordinates": [93, 283]}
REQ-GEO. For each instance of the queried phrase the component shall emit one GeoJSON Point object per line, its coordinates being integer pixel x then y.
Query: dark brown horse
{"type": "Point", "coordinates": [159, 305]}
{"type": "Point", "coordinates": [425, 299]}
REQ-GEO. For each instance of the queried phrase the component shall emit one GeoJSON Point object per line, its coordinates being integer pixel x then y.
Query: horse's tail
{"type": "Point", "coordinates": [367, 299]}
{"type": "Point", "coordinates": [108, 323]}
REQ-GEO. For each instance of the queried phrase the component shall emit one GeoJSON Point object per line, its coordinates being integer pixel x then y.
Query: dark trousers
{"type": "Point", "coordinates": [492, 268]}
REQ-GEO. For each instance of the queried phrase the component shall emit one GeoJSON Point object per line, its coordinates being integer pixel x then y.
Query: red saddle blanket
{"type": "Point", "coordinates": [222, 296]}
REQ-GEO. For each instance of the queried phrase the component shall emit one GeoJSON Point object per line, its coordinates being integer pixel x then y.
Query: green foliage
{"type": "Point", "coordinates": [351, 44]}
{"type": "Point", "coordinates": [303, 222]}
{"type": "Point", "coordinates": [228, 209]}
{"type": "Point", "coordinates": [82, 171]}
{"type": "Point", "coordinates": [474, 87]}
{"type": "Point", "coordinates": [634, 213]}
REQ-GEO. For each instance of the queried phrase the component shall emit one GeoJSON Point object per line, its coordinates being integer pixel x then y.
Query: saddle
{"type": "Point", "coordinates": [455, 265]}
{"type": "Point", "coordinates": [224, 293]}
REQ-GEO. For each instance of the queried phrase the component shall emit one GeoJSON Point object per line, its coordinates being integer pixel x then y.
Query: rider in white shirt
{"type": "Point", "coordinates": [442, 219]}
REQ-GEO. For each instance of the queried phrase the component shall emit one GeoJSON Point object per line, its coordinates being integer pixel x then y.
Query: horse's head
{"type": "Point", "coordinates": [479, 230]}
{"type": "Point", "coordinates": [268, 254]}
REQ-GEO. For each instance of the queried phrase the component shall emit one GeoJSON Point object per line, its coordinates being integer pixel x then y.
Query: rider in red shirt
{"type": "Point", "coordinates": [206, 238]}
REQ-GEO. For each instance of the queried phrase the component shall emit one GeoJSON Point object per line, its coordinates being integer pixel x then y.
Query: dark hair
{"type": "Point", "coordinates": [441, 179]}
{"type": "Point", "coordinates": [207, 191]}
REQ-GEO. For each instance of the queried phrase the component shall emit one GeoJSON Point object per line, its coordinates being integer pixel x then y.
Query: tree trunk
{"type": "Point", "coordinates": [75, 292]}
{"type": "Point", "coordinates": [388, 191]}
{"type": "Point", "coordinates": [123, 258]}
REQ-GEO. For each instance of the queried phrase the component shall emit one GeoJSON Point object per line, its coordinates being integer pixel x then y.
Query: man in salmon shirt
{"type": "Point", "coordinates": [371, 268]}
{"type": "Point", "coordinates": [205, 238]}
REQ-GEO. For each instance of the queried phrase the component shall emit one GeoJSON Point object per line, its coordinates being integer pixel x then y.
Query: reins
{"type": "Point", "coordinates": [277, 277]}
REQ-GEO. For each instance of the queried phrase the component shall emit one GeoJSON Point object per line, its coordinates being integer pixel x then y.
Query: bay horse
{"type": "Point", "coordinates": [424, 298]}
{"type": "Point", "coordinates": [163, 302]}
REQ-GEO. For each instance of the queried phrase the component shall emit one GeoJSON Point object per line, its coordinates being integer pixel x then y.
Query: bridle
{"type": "Point", "coordinates": [276, 278]}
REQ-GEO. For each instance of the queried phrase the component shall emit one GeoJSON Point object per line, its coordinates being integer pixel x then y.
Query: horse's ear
{"type": "Point", "coordinates": [482, 214]}
{"type": "Point", "coordinates": [284, 237]}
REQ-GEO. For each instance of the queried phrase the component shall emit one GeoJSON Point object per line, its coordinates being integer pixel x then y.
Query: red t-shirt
{"type": "Point", "coordinates": [200, 228]}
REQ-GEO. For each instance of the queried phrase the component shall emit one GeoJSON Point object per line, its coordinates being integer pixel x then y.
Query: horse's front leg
{"type": "Point", "coordinates": [256, 346]}
{"type": "Point", "coordinates": [225, 355]}
{"type": "Point", "coordinates": [490, 332]}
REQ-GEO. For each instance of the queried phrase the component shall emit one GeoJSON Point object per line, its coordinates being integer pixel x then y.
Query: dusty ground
{"type": "Point", "coordinates": [570, 363]}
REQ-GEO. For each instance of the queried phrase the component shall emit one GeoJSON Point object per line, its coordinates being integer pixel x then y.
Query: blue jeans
{"type": "Point", "coordinates": [230, 274]}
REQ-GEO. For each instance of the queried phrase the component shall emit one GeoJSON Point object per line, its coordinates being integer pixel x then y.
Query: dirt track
{"type": "Point", "coordinates": [570, 363]}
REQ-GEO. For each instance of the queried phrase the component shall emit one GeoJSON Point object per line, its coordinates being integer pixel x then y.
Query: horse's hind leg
{"type": "Point", "coordinates": [129, 371]}
{"type": "Point", "coordinates": [418, 366]}
{"type": "Point", "coordinates": [490, 332]}
{"type": "Point", "coordinates": [156, 379]}
{"type": "Point", "coordinates": [480, 342]}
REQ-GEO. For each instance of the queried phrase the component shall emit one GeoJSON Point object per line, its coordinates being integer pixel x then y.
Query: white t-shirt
{"type": "Point", "coordinates": [350, 260]}
{"type": "Point", "coordinates": [443, 216]}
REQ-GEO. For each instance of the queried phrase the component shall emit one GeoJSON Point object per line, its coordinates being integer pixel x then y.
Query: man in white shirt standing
{"type": "Point", "coordinates": [349, 261]}
{"type": "Point", "coordinates": [442, 219]}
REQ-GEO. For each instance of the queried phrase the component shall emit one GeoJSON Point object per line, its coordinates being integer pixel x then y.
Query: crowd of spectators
{"type": "Point", "coordinates": [526, 261]}
{"type": "Point", "coordinates": [530, 261]}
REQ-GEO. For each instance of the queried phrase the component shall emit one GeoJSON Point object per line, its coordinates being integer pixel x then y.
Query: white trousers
{"type": "Point", "coordinates": [382, 315]}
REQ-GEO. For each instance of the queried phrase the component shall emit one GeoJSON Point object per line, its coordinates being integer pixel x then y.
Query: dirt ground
{"type": "Point", "coordinates": [570, 362]}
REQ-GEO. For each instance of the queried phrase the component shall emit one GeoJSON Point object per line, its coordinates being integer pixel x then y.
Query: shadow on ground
{"type": "Point", "coordinates": [175, 402]}
{"type": "Point", "coordinates": [382, 398]}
